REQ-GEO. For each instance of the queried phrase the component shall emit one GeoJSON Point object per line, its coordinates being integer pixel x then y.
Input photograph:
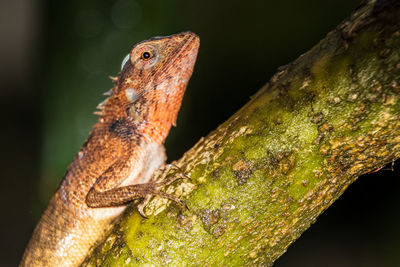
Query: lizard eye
{"type": "Point", "coordinates": [146, 55]}
{"type": "Point", "coordinates": [126, 58]}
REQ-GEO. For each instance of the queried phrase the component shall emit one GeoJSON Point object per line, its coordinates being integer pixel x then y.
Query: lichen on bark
{"type": "Point", "coordinates": [265, 175]}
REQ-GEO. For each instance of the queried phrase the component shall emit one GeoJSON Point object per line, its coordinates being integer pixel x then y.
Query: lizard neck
{"type": "Point", "coordinates": [153, 124]}
{"type": "Point", "coordinates": [156, 131]}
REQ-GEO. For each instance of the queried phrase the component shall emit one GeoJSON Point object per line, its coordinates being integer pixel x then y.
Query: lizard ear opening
{"type": "Point", "coordinates": [126, 58]}
{"type": "Point", "coordinates": [131, 95]}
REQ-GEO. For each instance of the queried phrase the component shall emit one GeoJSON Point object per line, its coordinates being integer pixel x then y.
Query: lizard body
{"type": "Point", "coordinates": [123, 150]}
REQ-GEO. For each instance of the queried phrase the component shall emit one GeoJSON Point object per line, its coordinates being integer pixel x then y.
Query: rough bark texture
{"type": "Point", "coordinates": [265, 175]}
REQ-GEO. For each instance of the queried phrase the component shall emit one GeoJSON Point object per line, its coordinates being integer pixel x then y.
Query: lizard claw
{"type": "Point", "coordinates": [173, 198]}
{"type": "Point", "coordinates": [175, 176]}
{"type": "Point", "coordinates": [177, 168]}
{"type": "Point", "coordinates": [141, 211]}
{"type": "Point", "coordinates": [140, 207]}
{"type": "Point", "coordinates": [181, 204]}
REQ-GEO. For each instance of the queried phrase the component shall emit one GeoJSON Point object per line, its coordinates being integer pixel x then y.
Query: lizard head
{"type": "Point", "coordinates": [154, 76]}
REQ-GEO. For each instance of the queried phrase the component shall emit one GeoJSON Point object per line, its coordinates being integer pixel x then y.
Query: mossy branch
{"type": "Point", "coordinates": [265, 175]}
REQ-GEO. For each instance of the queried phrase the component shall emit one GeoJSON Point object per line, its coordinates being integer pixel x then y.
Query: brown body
{"type": "Point", "coordinates": [125, 147]}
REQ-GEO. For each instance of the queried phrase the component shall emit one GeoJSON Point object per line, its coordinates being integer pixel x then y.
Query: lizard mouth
{"type": "Point", "coordinates": [186, 50]}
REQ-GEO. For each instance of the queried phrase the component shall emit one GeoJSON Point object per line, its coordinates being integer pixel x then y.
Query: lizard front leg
{"type": "Point", "coordinates": [124, 194]}
{"type": "Point", "coordinates": [110, 189]}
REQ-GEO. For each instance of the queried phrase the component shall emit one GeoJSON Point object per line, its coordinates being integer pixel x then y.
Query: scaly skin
{"type": "Point", "coordinates": [123, 150]}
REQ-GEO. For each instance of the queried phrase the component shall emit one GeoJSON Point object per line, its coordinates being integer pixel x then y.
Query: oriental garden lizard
{"type": "Point", "coordinates": [125, 147]}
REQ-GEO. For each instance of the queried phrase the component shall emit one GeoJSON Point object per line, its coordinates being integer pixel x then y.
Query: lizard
{"type": "Point", "coordinates": [124, 148]}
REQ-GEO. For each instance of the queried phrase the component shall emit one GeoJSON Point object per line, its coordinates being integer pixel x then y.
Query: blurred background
{"type": "Point", "coordinates": [56, 57]}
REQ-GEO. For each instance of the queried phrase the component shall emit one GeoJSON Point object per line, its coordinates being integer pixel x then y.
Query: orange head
{"type": "Point", "coordinates": [153, 79]}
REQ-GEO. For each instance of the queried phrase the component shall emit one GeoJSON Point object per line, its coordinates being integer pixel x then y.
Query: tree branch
{"type": "Point", "coordinates": [265, 175]}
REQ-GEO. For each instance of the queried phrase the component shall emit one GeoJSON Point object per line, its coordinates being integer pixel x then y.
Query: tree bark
{"type": "Point", "coordinates": [265, 175]}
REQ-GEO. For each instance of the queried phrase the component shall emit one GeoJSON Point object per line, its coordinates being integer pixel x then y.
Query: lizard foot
{"type": "Point", "coordinates": [177, 175]}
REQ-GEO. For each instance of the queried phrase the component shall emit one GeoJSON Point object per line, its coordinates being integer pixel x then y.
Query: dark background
{"type": "Point", "coordinates": [55, 60]}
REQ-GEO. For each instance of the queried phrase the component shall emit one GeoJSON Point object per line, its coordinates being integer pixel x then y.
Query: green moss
{"type": "Point", "coordinates": [319, 69]}
{"type": "Point", "coordinates": [198, 171]}
{"type": "Point", "coordinates": [131, 224]}
{"type": "Point", "coordinates": [304, 175]}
